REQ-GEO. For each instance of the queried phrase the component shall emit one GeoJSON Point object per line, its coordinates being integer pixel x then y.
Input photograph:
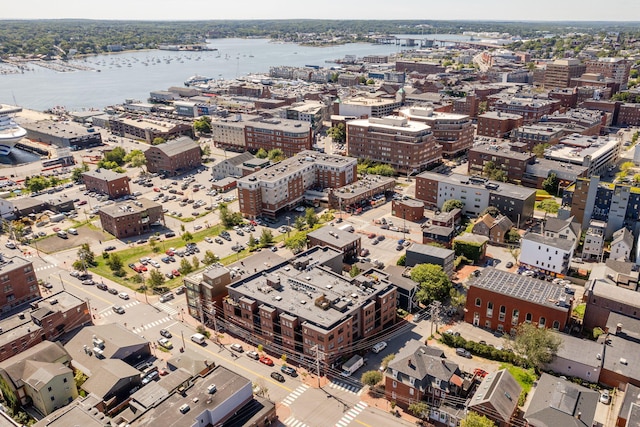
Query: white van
{"type": "Point", "coordinates": [72, 231]}
{"type": "Point", "coordinates": [62, 234]}
{"type": "Point", "coordinates": [198, 338]}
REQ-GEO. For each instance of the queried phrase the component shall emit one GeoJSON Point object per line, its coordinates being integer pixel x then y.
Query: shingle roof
{"type": "Point", "coordinates": [176, 146]}
{"type": "Point", "coordinates": [418, 361]}
{"type": "Point", "coordinates": [103, 380]}
{"type": "Point", "coordinates": [500, 391]}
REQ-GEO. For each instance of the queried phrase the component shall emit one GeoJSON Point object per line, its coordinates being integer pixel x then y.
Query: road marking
{"type": "Point", "coordinates": [351, 414]}
{"type": "Point", "coordinates": [292, 422]}
{"type": "Point", "coordinates": [287, 401]}
{"type": "Point", "coordinates": [346, 387]}
{"type": "Point", "coordinates": [166, 308]}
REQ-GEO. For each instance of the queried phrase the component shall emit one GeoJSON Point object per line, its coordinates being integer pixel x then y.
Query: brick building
{"type": "Point", "coordinates": [539, 133]}
{"type": "Point", "coordinates": [280, 187]}
{"type": "Point", "coordinates": [500, 301]}
{"type": "Point", "coordinates": [419, 67]}
{"type": "Point", "coordinates": [105, 181]}
{"type": "Point", "coordinates": [513, 163]}
{"type": "Point", "coordinates": [147, 129]}
{"type": "Point", "coordinates": [617, 69]}
{"type": "Point", "coordinates": [407, 146]}
{"type": "Point", "coordinates": [347, 243]}
{"type": "Point", "coordinates": [299, 304]}
{"type": "Point", "coordinates": [496, 124]}
{"type": "Point", "coordinates": [409, 210]}
{"type": "Point", "coordinates": [174, 157]}
{"type": "Point", "coordinates": [454, 132]}
{"type": "Point", "coordinates": [19, 282]}
{"type": "Point", "coordinates": [629, 115]}
{"type": "Point", "coordinates": [560, 72]}
{"type": "Point", "coordinates": [128, 219]}
{"type": "Point", "coordinates": [532, 110]}
{"type": "Point", "coordinates": [371, 190]}
{"type": "Point", "coordinates": [362, 107]}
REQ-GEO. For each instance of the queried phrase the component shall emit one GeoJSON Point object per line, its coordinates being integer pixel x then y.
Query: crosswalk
{"type": "Point", "coordinates": [295, 394]}
{"type": "Point", "coordinates": [46, 267]}
{"type": "Point", "coordinates": [109, 311]}
{"type": "Point", "coordinates": [292, 422]}
{"type": "Point", "coordinates": [351, 414]}
{"type": "Point", "coordinates": [155, 323]}
{"type": "Point", "coordinates": [339, 385]}
{"type": "Point", "coordinates": [166, 308]}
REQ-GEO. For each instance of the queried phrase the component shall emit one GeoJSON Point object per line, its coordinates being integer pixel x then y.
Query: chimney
{"type": "Point", "coordinates": [579, 415]}
{"type": "Point", "coordinates": [618, 328]}
{"type": "Point", "coordinates": [409, 363]}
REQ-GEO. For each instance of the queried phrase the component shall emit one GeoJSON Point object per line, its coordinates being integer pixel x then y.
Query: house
{"type": "Point", "coordinates": [566, 229]}
{"type": "Point", "coordinates": [602, 296]}
{"type": "Point", "coordinates": [616, 273]}
{"type": "Point", "coordinates": [438, 234]}
{"type": "Point", "coordinates": [173, 157]}
{"type": "Point", "coordinates": [546, 254]}
{"type": "Point", "coordinates": [577, 357]}
{"type": "Point", "coordinates": [500, 301]}
{"type": "Point", "coordinates": [409, 210]}
{"type": "Point", "coordinates": [620, 343]}
{"type": "Point", "coordinates": [558, 402]}
{"type": "Point", "coordinates": [621, 245]}
{"type": "Point", "coordinates": [420, 373]}
{"type": "Point", "coordinates": [496, 229]}
{"type": "Point", "coordinates": [112, 379]}
{"type": "Point", "coordinates": [84, 411]}
{"type": "Point", "coordinates": [407, 288]}
{"type": "Point", "coordinates": [497, 397]}
{"type": "Point", "coordinates": [594, 241]}
{"type": "Point", "coordinates": [41, 377]}
{"type": "Point", "coordinates": [427, 254]}
{"type": "Point", "coordinates": [629, 414]}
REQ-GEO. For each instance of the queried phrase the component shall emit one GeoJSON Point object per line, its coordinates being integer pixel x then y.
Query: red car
{"type": "Point", "coordinates": [266, 360]}
{"type": "Point", "coordinates": [480, 373]}
{"type": "Point", "coordinates": [170, 252]}
{"type": "Point", "coordinates": [371, 235]}
{"type": "Point", "coordinates": [56, 229]}
{"type": "Point", "coordinates": [142, 268]}
{"type": "Point", "coordinates": [82, 202]}
{"type": "Point", "coordinates": [175, 272]}
{"type": "Point", "coordinates": [156, 189]}
{"type": "Point", "coordinates": [252, 222]}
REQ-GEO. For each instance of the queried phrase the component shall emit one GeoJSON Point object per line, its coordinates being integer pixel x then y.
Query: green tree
{"type": "Point", "coordinates": [209, 258]}
{"type": "Point", "coordinates": [203, 124]}
{"type": "Point", "coordinates": [136, 159]}
{"type": "Point", "coordinates": [185, 266]}
{"type": "Point", "coordinates": [371, 378]}
{"type": "Point", "coordinates": [296, 242]}
{"type": "Point", "coordinates": [158, 140]}
{"type": "Point", "coordinates": [86, 254]}
{"type": "Point", "coordinates": [539, 149]}
{"type": "Point", "coordinates": [116, 155]}
{"type": "Point", "coordinates": [434, 283]}
{"type": "Point", "coordinates": [636, 178]}
{"type": "Point", "coordinates": [195, 262]}
{"type": "Point", "coordinates": [457, 299]}
{"type": "Point", "coordinates": [402, 260]}
{"type": "Point", "coordinates": [452, 204]}
{"type": "Point", "coordinates": [310, 217]}
{"type": "Point", "coordinates": [338, 133]}
{"type": "Point", "coordinates": [79, 378]}
{"type": "Point", "coordinates": [115, 262]}
{"type": "Point", "coordinates": [482, 107]}
{"type": "Point", "coordinates": [387, 359]}
{"type": "Point", "coordinates": [627, 166]}
{"type": "Point", "coordinates": [536, 344]}
{"type": "Point", "coordinates": [36, 183]}
{"type": "Point", "coordinates": [262, 153]}
{"type": "Point", "coordinates": [76, 173]}
{"type": "Point", "coordinates": [382, 170]}
{"type": "Point", "coordinates": [551, 184]}
{"type": "Point", "coordinates": [473, 419]}
{"type": "Point", "coordinates": [187, 236]}
{"type": "Point", "coordinates": [266, 238]}
{"type": "Point", "coordinates": [549, 206]}
{"type": "Point", "coordinates": [156, 279]}
{"type": "Point", "coordinates": [276, 155]}
{"type": "Point", "coordinates": [299, 223]}
{"type": "Point", "coordinates": [513, 236]}
{"type": "Point", "coordinates": [228, 218]}
{"type": "Point", "coordinates": [354, 271]}
{"type": "Point", "coordinates": [419, 409]}
{"type": "Point", "coordinates": [252, 243]}
{"type": "Point", "coordinates": [205, 150]}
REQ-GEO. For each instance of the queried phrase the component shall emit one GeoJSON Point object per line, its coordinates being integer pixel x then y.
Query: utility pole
{"type": "Point", "coordinates": [183, 343]}
{"type": "Point", "coordinates": [318, 354]}
{"type": "Point", "coordinates": [434, 309]}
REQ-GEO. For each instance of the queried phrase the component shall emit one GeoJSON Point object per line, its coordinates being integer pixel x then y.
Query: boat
{"type": "Point", "coordinates": [197, 79]}
{"type": "Point", "coordinates": [10, 132]}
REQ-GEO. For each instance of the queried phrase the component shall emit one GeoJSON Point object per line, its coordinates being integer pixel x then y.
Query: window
{"type": "Point", "coordinates": [478, 302]}
{"type": "Point", "coordinates": [411, 391]}
{"type": "Point", "coordinates": [542, 322]}
{"type": "Point", "coordinates": [556, 325]}
{"type": "Point", "coordinates": [503, 313]}
{"type": "Point", "coordinates": [528, 318]}
{"type": "Point", "coordinates": [489, 309]}
{"type": "Point", "coordinates": [514, 317]}
{"type": "Point", "coordinates": [395, 384]}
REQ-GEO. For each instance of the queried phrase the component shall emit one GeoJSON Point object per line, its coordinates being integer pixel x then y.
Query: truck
{"type": "Point", "coordinates": [352, 365]}
{"type": "Point", "coordinates": [346, 227]}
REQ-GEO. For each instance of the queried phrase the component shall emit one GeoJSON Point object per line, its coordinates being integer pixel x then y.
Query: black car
{"type": "Point", "coordinates": [110, 248]}
{"type": "Point", "coordinates": [180, 290]}
{"type": "Point", "coordinates": [165, 333]}
{"type": "Point", "coordinates": [509, 264]}
{"type": "Point", "coordinates": [102, 286]}
{"type": "Point", "coordinates": [132, 266]}
{"type": "Point", "coordinates": [289, 371]}
{"type": "Point", "coordinates": [277, 376]}
{"type": "Point", "coordinates": [113, 291]}
{"type": "Point", "coordinates": [170, 234]}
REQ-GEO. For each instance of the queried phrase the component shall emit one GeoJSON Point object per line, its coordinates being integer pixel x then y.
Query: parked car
{"type": "Point", "coordinates": [123, 295]}
{"type": "Point", "coordinates": [289, 371]}
{"type": "Point", "coordinates": [164, 342]}
{"type": "Point", "coordinates": [102, 286]}
{"type": "Point", "coordinates": [266, 360]}
{"type": "Point", "coordinates": [462, 352]}
{"type": "Point", "coordinates": [165, 333]}
{"type": "Point", "coordinates": [605, 397]}
{"type": "Point", "coordinates": [277, 376]}
{"type": "Point", "coordinates": [254, 355]}
{"type": "Point", "coordinates": [109, 248]}
{"type": "Point", "coordinates": [379, 347]}
{"type": "Point", "coordinates": [237, 347]}
{"type": "Point", "coordinates": [509, 264]}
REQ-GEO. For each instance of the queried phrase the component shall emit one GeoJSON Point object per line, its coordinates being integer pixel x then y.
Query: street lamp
{"type": "Point", "coordinates": [288, 226]}
{"type": "Point", "coordinates": [61, 281]}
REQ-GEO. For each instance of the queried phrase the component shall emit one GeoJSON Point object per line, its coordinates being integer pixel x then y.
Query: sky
{"type": "Point", "coordinates": [520, 10]}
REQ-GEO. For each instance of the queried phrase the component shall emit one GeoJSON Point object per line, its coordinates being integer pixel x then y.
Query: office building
{"type": "Point", "coordinates": [174, 157]}
{"type": "Point", "coordinates": [617, 69]}
{"type": "Point", "coordinates": [501, 156]}
{"type": "Point", "coordinates": [496, 124]}
{"type": "Point", "coordinates": [362, 107]}
{"type": "Point", "coordinates": [560, 72]}
{"type": "Point", "coordinates": [532, 110]}
{"type": "Point", "coordinates": [407, 146]}
{"type": "Point", "coordinates": [131, 218]}
{"type": "Point", "coordinates": [148, 129]}
{"type": "Point", "coordinates": [107, 182]}
{"type": "Point", "coordinates": [594, 153]}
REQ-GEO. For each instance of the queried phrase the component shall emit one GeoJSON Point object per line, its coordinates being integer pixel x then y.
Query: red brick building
{"type": "Point", "coordinates": [617, 69]}
{"type": "Point", "coordinates": [174, 157]}
{"type": "Point", "coordinates": [290, 136]}
{"type": "Point", "coordinates": [500, 301]}
{"type": "Point", "coordinates": [496, 124]}
{"type": "Point", "coordinates": [532, 110]}
{"type": "Point", "coordinates": [19, 282]}
{"type": "Point", "coordinates": [105, 181]}
{"type": "Point", "coordinates": [629, 115]}
{"type": "Point", "coordinates": [409, 210]}
{"type": "Point", "coordinates": [513, 163]}
{"type": "Point", "coordinates": [128, 219]}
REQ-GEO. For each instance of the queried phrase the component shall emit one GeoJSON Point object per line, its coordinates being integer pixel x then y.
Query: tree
{"type": "Point", "coordinates": [276, 155]}
{"type": "Point", "coordinates": [203, 124]}
{"type": "Point", "coordinates": [36, 183]}
{"type": "Point", "coordinates": [76, 173]}
{"type": "Point", "coordinates": [434, 283]}
{"type": "Point", "coordinates": [187, 236]}
{"type": "Point", "coordinates": [310, 217]}
{"type": "Point", "coordinates": [452, 204]}
{"type": "Point", "coordinates": [539, 149]}
{"type": "Point", "coordinates": [513, 236]}
{"type": "Point", "coordinates": [354, 271]}
{"type": "Point", "coordinates": [419, 409]}
{"type": "Point", "coordinates": [195, 262]}
{"type": "Point", "coordinates": [299, 223]}
{"type": "Point", "coordinates": [136, 159]}
{"type": "Point", "coordinates": [156, 279]}
{"type": "Point", "coordinates": [209, 258]}
{"type": "Point", "coordinates": [627, 166]}
{"type": "Point", "coordinates": [536, 344]}
{"type": "Point", "coordinates": [86, 255]}
{"type": "Point", "coordinates": [473, 419]}
{"type": "Point", "coordinates": [549, 206]}
{"type": "Point", "coordinates": [371, 378]}
{"type": "Point", "coordinates": [491, 210]}
{"type": "Point", "coordinates": [252, 243]}
{"type": "Point", "coordinates": [262, 153]}
{"type": "Point", "coordinates": [297, 242]}
{"type": "Point", "coordinates": [387, 359]}
{"type": "Point", "coordinates": [551, 184]}
{"type": "Point", "coordinates": [338, 133]}
{"type": "Point", "coordinates": [266, 238]}
{"type": "Point", "coordinates": [115, 262]}
{"type": "Point", "coordinates": [158, 140]}
{"type": "Point", "coordinates": [457, 299]}
{"type": "Point", "coordinates": [402, 260]}
{"type": "Point", "coordinates": [185, 266]}
{"type": "Point", "coordinates": [228, 218]}
{"type": "Point", "coordinates": [116, 155]}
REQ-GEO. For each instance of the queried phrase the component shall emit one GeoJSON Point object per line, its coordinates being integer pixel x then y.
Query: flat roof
{"type": "Point", "coordinates": [430, 250]}
{"type": "Point", "coordinates": [500, 188]}
{"type": "Point", "coordinates": [175, 146]}
{"type": "Point", "coordinates": [334, 236]}
{"type": "Point", "coordinates": [575, 147]}
{"type": "Point", "coordinates": [104, 174]}
{"type": "Point", "coordinates": [10, 263]}
{"type": "Point", "coordinates": [364, 101]}
{"type": "Point", "coordinates": [119, 209]}
{"type": "Point", "coordinates": [499, 115]}
{"type": "Point", "coordinates": [156, 124]}
{"type": "Point", "coordinates": [66, 129]}
{"type": "Point", "coordinates": [422, 113]}
{"type": "Point", "coordinates": [364, 185]}
{"type": "Point", "coordinates": [521, 287]}
{"type": "Point", "coordinates": [393, 123]}
{"type": "Point", "coordinates": [502, 150]}
{"type": "Point", "coordinates": [564, 244]}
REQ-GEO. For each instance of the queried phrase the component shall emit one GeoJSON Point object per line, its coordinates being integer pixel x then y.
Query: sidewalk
{"type": "Point", "coordinates": [384, 405]}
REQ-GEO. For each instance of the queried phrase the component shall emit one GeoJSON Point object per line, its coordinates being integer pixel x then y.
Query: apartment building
{"type": "Point", "coordinates": [539, 133]}
{"type": "Point", "coordinates": [407, 146]}
{"type": "Point", "coordinates": [580, 120]}
{"type": "Point", "coordinates": [560, 72]}
{"type": "Point", "coordinates": [362, 107]}
{"type": "Point", "coordinates": [306, 305]}
{"type": "Point", "coordinates": [174, 157]}
{"type": "Point", "coordinates": [496, 124]}
{"type": "Point", "coordinates": [594, 241]}
{"type": "Point", "coordinates": [105, 181]}
{"type": "Point", "coordinates": [238, 165]}
{"type": "Point", "coordinates": [545, 254]}
{"type": "Point", "coordinates": [617, 69]}
{"type": "Point", "coordinates": [421, 67]}
{"type": "Point", "coordinates": [532, 110]}
{"type": "Point", "coordinates": [476, 193]}
{"type": "Point", "coordinates": [148, 129]}
{"type": "Point", "coordinates": [513, 163]}
{"type": "Point", "coordinates": [594, 153]}
{"type": "Point", "coordinates": [131, 218]}
{"type": "Point", "coordinates": [454, 132]}
{"type": "Point", "coordinates": [18, 280]}
{"type": "Point", "coordinates": [500, 301]}
{"type": "Point", "coordinates": [629, 115]}
{"type": "Point", "coordinates": [280, 187]}
{"type": "Point", "coordinates": [347, 243]}
{"type": "Point", "coordinates": [312, 112]}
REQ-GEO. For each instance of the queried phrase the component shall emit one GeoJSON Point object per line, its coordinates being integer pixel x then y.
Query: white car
{"type": "Point", "coordinates": [379, 347]}
{"type": "Point", "coordinates": [208, 239]}
{"type": "Point", "coordinates": [123, 295]}
{"type": "Point", "coordinates": [154, 263]}
{"type": "Point", "coordinates": [10, 245]}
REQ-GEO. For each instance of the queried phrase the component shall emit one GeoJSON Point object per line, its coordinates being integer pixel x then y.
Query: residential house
{"type": "Point", "coordinates": [546, 254]}
{"type": "Point", "coordinates": [420, 373]}
{"type": "Point", "coordinates": [558, 402]}
{"type": "Point", "coordinates": [594, 241]}
{"type": "Point", "coordinates": [497, 398]}
{"type": "Point", "coordinates": [629, 414]}
{"type": "Point", "coordinates": [619, 344]}
{"type": "Point", "coordinates": [407, 288]}
{"type": "Point", "coordinates": [621, 245]}
{"type": "Point", "coordinates": [565, 229]}
{"type": "Point", "coordinates": [603, 296]}
{"type": "Point", "coordinates": [347, 243]}
{"type": "Point", "coordinates": [496, 229]}
{"type": "Point", "coordinates": [113, 379]}
{"type": "Point", "coordinates": [428, 254]}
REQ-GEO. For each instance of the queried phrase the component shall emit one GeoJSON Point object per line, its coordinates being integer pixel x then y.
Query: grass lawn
{"type": "Point", "coordinates": [579, 310]}
{"type": "Point", "coordinates": [524, 377]}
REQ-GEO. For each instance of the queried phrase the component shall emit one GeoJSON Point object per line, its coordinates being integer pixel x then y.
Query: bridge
{"type": "Point", "coordinates": [424, 42]}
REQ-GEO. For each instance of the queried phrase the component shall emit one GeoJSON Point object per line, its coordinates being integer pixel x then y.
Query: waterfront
{"type": "Point", "coordinates": [132, 75]}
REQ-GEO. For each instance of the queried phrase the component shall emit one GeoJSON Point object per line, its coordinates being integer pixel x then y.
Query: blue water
{"type": "Point", "coordinates": [124, 75]}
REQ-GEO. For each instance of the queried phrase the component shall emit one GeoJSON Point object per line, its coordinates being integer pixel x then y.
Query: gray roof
{"type": "Point", "coordinates": [623, 235]}
{"type": "Point", "coordinates": [402, 282]}
{"type": "Point", "coordinates": [240, 158]}
{"type": "Point", "coordinates": [557, 402]}
{"type": "Point", "coordinates": [128, 207]}
{"type": "Point", "coordinates": [438, 230]}
{"type": "Point", "coordinates": [615, 293]}
{"type": "Point", "coordinates": [631, 399]}
{"type": "Point", "coordinates": [472, 238]}
{"type": "Point", "coordinates": [563, 244]}
{"type": "Point", "coordinates": [430, 250]}
{"type": "Point", "coordinates": [334, 236]}
{"type": "Point", "coordinates": [521, 287]}
{"type": "Point", "coordinates": [104, 174]}
{"type": "Point", "coordinates": [629, 327]}
{"type": "Point", "coordinates": [39, 374]}
{"type": "Point", "coordinates": [46, 352]}
{"type": "Point", "coordinates": [579, 350]}
{"type": "Point", "coordinates": [619, 357]}
{"type": "Point", "coordinates": [104, 379]}
{"type": "Point", "coordinates": [176, 146]}
{"type": "Point", "coordinates": [556, 225]}
{"type": "Point", "coordinates": [80, 412]}
{"type": "Point", "coordinates": [190, 361]}
{"type": "Point", "coordinates": [499, 188]}
{"type": "Point", "coordinates": [500, 391]}
{"type": "Point", "coordinates": [418, 361]}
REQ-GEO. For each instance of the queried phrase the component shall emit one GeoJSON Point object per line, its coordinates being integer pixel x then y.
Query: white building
{"type": "Point", "coordinates": [621, 245]}
{"type": "Point", "coordinates": [367, 107]}
{"type": "Point", "coordinates": [566, 229]}
{"type": "Point", "coordinates": [592, 152]}
{"type": "Point", "coordinates": [548, 255]}
{"type": "Point", "coordinates": [594, 241]}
